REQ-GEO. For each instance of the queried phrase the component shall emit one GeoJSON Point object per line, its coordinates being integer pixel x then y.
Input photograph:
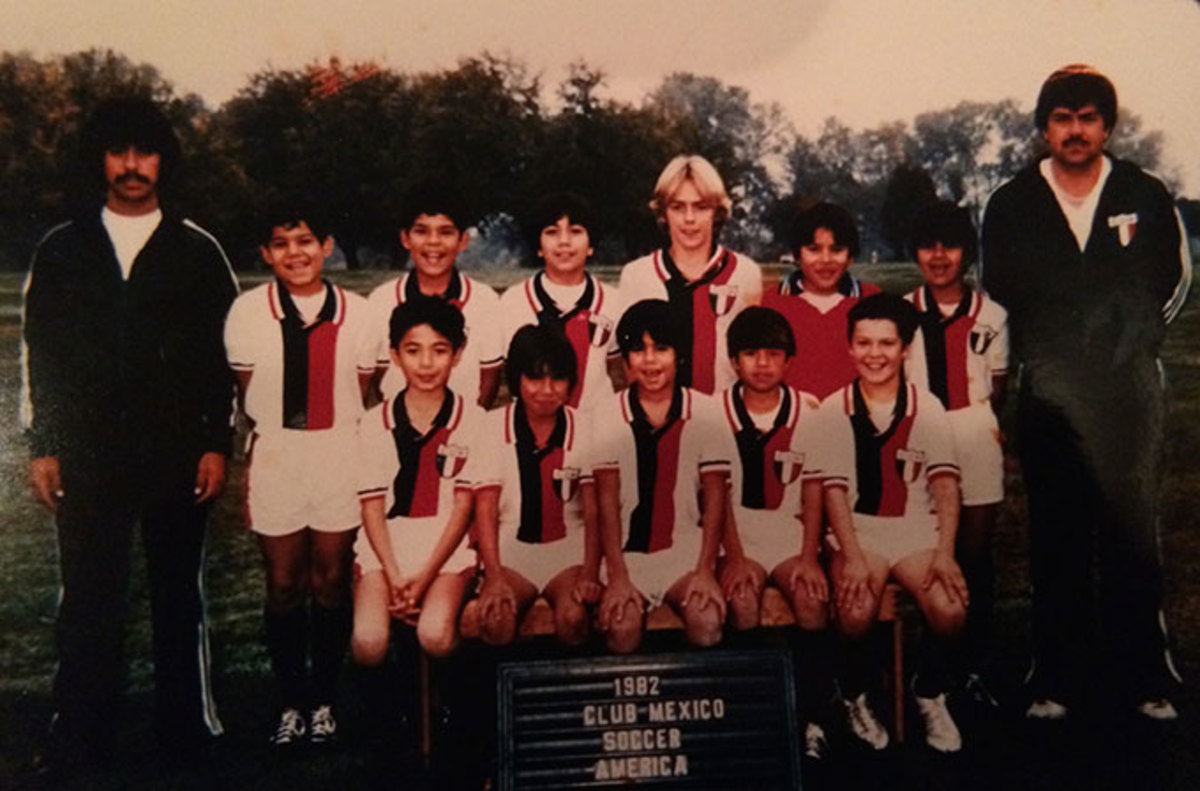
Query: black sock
{"type": "Point", "coordinates": [330, 636]}
{"type": "Point", "coordinates": [937, 653]}
{"type": "Point", "coordinates": [287, 644]}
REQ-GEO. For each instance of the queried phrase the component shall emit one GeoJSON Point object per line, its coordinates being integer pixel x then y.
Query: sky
{"type": "Point", "coordinates": [864, 61]}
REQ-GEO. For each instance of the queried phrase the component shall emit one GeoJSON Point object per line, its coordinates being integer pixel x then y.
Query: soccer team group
{"type": "Point", "coordinates": [684, 439]}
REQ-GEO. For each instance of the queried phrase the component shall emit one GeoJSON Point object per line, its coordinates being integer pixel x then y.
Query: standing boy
{"type": "Point", "coordinates": [816, 297]}
{"type": "Point", "coordinates": [661, 480]}
{"type": "Point", "coordinates": [433, 231]}
{"type": "Point", "coordinates": [566, 297]}
{"type": "Point", "coordinates": [705, 284]}
{"type": "Point", "coordinates": [1087, 254]}
{"type": "Point", "coordinates": [299, 347]}
{"type": "Point", "coordinates": [960, 354]}
{"type": "Point", "coordinates": [892, 501]}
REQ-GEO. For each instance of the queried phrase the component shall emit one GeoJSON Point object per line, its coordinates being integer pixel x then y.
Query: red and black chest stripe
{"type": "Point", "coordinates": [883, 464]}
{"type": "Point", "coordinates": [458, 293]}
{"type": "Point", "coordinates": [309, 357]}
{"type": "Point", "coordinates": [767, 461]}
{"type": "Point", "coordinates": [696, 306]}
{"type": "Point", "coordinates": [546, 483]}
{"type": "Point", "coordinates": [424, 459]}
{"type": "Point", "coordinates": [652, 521]}
{"type": "Point", "coordinates": [583, 324]}
{"type": "Point", "coordinates": [947, 341]}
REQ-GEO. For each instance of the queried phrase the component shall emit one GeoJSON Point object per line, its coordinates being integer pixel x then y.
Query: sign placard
{"type": "Point", "coordinates": [711, 720]}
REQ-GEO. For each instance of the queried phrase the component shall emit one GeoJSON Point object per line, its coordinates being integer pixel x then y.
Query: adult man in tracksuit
{"type": "Point", "coordinates": [1086, 253]}
{"type": "Point", "coordinates": [130, 402]}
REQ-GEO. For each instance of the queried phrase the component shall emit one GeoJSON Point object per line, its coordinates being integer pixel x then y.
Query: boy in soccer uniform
{"type": "Point", "coordinates": [433, 232]}
{"type": "Point", "coordinates": [661, 480]}
{"type": "Point", "coordinates": [774, 520]}
{"type": "Point", "coordinates": [546, 515]}
{"type": "Point", "coordinates": [563, 295]}
{"type": "Point", "coordinates": [420, 454]}
{"type": "Point", "coordinates": [816, 297]}
{"type": "Point", "coordinates": [299, 347]}
{"type": "Point", "coordinates": [891, 499]}
{"type": "Point", "coordinates": [705, 284]}
{"type": "Point", "coordinates": [960, 354]}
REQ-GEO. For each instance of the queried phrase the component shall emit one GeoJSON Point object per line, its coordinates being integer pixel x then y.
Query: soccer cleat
{"type": "Point", "coordinates": [977, 692]}
{"type": "Point", "coordinates": [815, 743]}
{"type": "Point", "coordinates": [1158, 709]}
{"type": "Point", "coordinates": [940, 731]}
{"type": "Point", "coordinates": [863, 722]}
{"type": "Point", "coordinates": [291, 728]}
{"type": "Point", "coordinates": [1046, 709]}
{"type": "Point", "coordinates": [322, 726]}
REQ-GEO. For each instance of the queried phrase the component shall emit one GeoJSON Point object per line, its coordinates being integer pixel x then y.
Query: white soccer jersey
{"type": "Point", "coordinates": [481, 314]}
{"type": "Point", "coordinates": [302, 377]}
{"type": "Point", "coordinates": [769, 465]}
{"type": "Point", "coordinates": [957, 364]}
{"type": "Point", "coordinates": [704, 308]}
{"type": "Point", "coordinates": [658, 505]}
{"type": "Point", "coordinates": [885, 473]}
{"type": "Point", "coordinates": [418, 474]}
{"type": "Point", "coordinates": [590, 325]}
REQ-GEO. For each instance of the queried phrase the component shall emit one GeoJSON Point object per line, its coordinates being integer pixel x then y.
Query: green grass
{"type": "Point", "coordinates": [28, 579]}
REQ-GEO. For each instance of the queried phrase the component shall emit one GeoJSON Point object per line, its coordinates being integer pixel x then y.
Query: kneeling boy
{"type": "Point", "coordinates": [545, 518]}
{"type": "Point", "coordinates": [892, 500]}
{"type": "Point", "coordinates": [420, 454]}
{"type": "Point", "coordinates": [661, 484]}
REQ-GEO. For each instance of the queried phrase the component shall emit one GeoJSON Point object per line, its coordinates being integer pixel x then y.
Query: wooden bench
{"type": "Point", "coordinates": [539, 621]}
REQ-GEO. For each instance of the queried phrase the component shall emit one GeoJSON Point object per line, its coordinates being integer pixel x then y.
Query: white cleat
{"type": "Point", "coordinates": [1046, 709]}
{"type": "Point", "coordinates": [864, 724]}
{"type": "Point", "coordinates": [1160, 709]}
{"type": "Point", "coordinates": [941, 733]}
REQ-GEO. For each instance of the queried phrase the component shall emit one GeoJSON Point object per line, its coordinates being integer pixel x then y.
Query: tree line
{"type": "Point", "coordinates": [358, 136]}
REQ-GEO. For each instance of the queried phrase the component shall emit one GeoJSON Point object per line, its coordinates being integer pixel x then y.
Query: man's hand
{"type": "Point", "coordinates": [210, 477]}
{"type": "Point", "coordinates": [807, 575]}
{"type": "Point", "coordinates": [944, 569]}
{"type": "Point", "coordinates": [46, 477]}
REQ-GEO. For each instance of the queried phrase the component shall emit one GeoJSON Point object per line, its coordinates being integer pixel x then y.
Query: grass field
{"type": "Point", "coordinates": [1002, 751]}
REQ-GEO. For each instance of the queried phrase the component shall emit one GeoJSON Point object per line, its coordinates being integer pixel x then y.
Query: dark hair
{"type": "Point", "coordinates": [757, 327]}
{"type": "Point", "coordinates": [947, 223]}
{"type": "Point", "coordinates": [552, 208]}
{"type": "Point", "coordinates": [885, 306]}
{"type": "Point", "coordinates": [1073, 87]}
{"type": "Point", "coordinates": [289, 213]}
{"type": "Point", "coordinates": [651, 317]}
{"type": "Point", "coordinates": [539, 350]}
{"type": "Point", "coordinates": [444, 318]}
{"type": "Point", "coordinates": [826, 215]}
{"type": "Point", "coordinates": [431, 199]}
{"type": "Point", "coordinates": [117, 124]}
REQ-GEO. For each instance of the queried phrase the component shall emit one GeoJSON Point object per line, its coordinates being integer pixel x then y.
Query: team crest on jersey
{"type": "Point", "coordinates": [451, 459]}
{"type": "Point", "coordinates": [981, 338]}
{"type": "Point", "coordinates": [910, 464]}
{"type": "Point", "coordinates": [722, 298]}
{"type": "Point", "coordinates": [600, 329]}
{"type": "Point", "coordinates": [1126, 225]}
{"type": "Point", "coordinates": [788, 466]}
{"type": "Point", "coordinates": [566, 482]}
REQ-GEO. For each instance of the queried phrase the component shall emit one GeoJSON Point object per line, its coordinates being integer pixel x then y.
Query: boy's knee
{"type": "Point", "coordinates": [703, 626]}
{"type": "Point", "coordinates": [744, 613]}
{"type": "Point", "coordinates": [285, 593]}
{"type": "Point", "coordinates": [811, 615]}
{"type": "Point", "coordinates": [368, 648]}
{"type": "Point", "coordinates": [946, 618]}
{"type": "Point", "coordinates": [437, 640]}
{"type": "Point", "coordinates": [624, 638]}
{"type": "Point", "coordinates": [856, 620]}
{"type": "Point", "coordinates": [571, 624]}
{"type": "Point", "coordinates": [499, 627]}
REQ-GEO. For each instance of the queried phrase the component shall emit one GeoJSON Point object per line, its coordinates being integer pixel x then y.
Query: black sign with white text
{"type": "Point", "coordinates": [699, 720]}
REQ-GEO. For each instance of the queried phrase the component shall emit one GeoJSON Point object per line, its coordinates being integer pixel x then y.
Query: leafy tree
{"type": "Point", "coordinates": [909, 189]}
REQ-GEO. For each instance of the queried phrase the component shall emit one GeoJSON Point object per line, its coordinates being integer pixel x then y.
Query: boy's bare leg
{"type": "Point", "coordinates": [372, 621]}
{"type": "Point", "coordinates": [703, 619]}
{"type": "Point", "coordinates": [437, 626]}
{"type": "Point", "coordinates": [745, 601]}
{"type": "Point", "coordinates": [571, 617]}
{"type": "Point", "coordinates": [499, 625]}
